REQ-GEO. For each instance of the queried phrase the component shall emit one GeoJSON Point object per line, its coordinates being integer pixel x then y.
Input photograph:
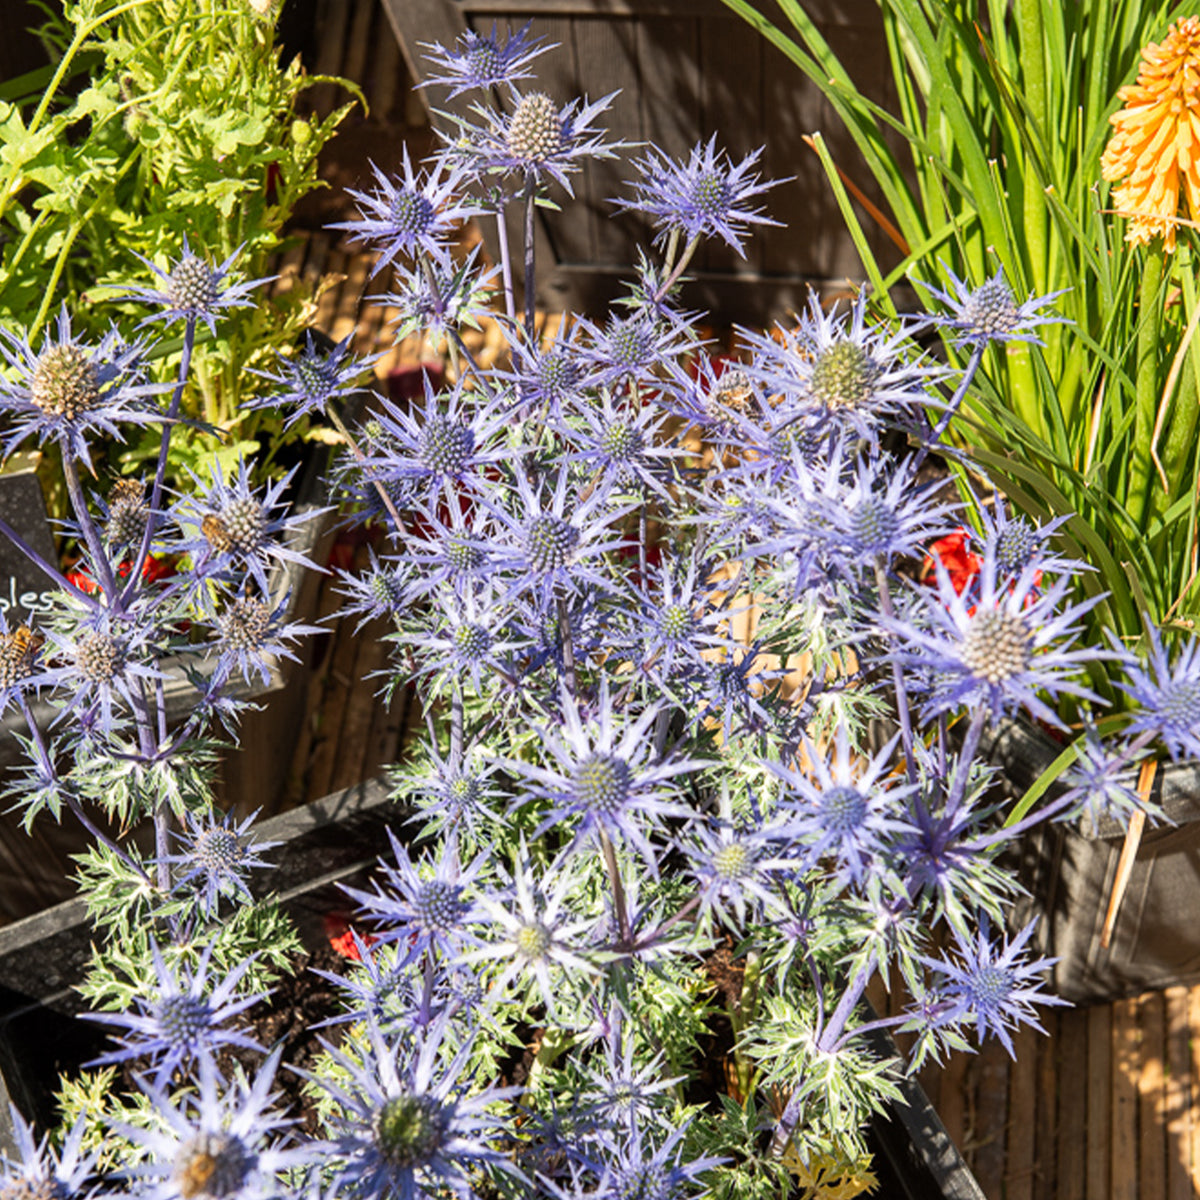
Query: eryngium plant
{"type": "Point", "coordinates": [656, 607]}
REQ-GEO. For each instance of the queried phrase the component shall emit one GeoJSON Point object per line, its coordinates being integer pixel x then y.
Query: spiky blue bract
{"type": "Point", "coordinates": [990, 312]}
{"type": "Point", "coordinates": [537, 140]}
{"type": "Point", "coordinates": [44, 1171]}
{"type": "Point", "coordinates": [407, 1125]}
{"type": "Point", "coordinates": [214, 1142]}
{"type": "Point", "coordinates": [836, 368]}
{"type": "Point", "coordinates": [850, 814]}
{"type": "Point", "coordinates": [68, 392]}
{"type": "Point", "coordinates": [706, 195]}
{"type": "Point", "coordinates": [601, 775]}
{"type": "Point", "coordinates": [215, 857]}
{"type": "Point", "coordinates": [194, 290]}
{"type": "Point", "coordinates": [478, 63]}
{"type": "Point", "coordinates": [409, 214]}
{"type": "Point", "coordinates": [184, 1021]}
{"type": "Point", "coordinates": [532, 933]}
{"type": "Point", "coordinates": [427, 905]}
{"type": "Point", "coordinates": [993, 985]}
{"type": "Point", "coordinates": [308, 382]}
{"type": "Point", "coordinates": [229, 528]}
{"type": "Point", "coordinates": [1004, 647]}
{"type": "Point", "coordinates": [1166, 691]}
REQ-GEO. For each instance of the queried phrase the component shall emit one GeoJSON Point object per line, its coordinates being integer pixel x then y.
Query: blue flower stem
{"type": "Point", "coordinates": [618, 889]}
{"type": "Point", "coordinates": [677, 269]}
{"type": "Point", "coordinates": [568, 645]}
{"type": "Point", "coordinates": [101, 567]}
{"type": "Point", "coordinates": [902, 713]}
{"type": "Point", "coordinates": [160, 471]}
{"type": "Point", "coordinates": [831, 1035]}
{"type": "Point", "coordinates": [642, 535]}
{"type": "Point", "coordinates": [530, 186]}
{"type": "Point", "coordinates": [52, 573]}
{"type": "Point", "coordinates": [958, 785]}
{"type": "Point", "coordinates": [672, 249]}
{"type": "Point", "coordinates": [361, 458]}
{"type": "Point", "coordinates": [510, 304]}
{"type": "Point", "coordinates": [456, 727]}
{"type": "Point", "coordinates": [952, 408]}
{"type": "Point", "coordinates": [457, 345]}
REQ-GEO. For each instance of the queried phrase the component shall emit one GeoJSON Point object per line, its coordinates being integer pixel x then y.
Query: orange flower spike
{"type": "Point", "coordinates": [1155, 146]}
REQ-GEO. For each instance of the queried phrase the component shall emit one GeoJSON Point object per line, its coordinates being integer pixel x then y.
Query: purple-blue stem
{"type": "Point", "coordinates": [160, 470]}
{"type": "Point", "coordinates": [101, 567]}
{"type": "Point", "coordinates": [962, 772]}
{"type": "Point", "coordinates": [456, 727]}
{"type": "Point", "coordinates": [510, 302]}
{"type": "Point", "coordinates": [455, 336]}
{"type": "Point", "coordinates": [677, 269]}
{"type": "Point", "coordinates": [564, 630]}
{"type": "Point", "coordinates": [952, 408]}
{"type": "Point", "coordinates": [905, 718]}
{"type": "Point", "coordinates": [530, 187]}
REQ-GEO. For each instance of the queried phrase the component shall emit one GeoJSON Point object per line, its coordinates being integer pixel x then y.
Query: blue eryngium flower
{"type": "Point", "coordinates": [215, 857]}
{"type": "Point", "coordinates": [537, 140]}
{"type": "Point", "coordinates": [42, 1171]}
{"type": "Point", "coordinates": [990, 312]}
{"type": "Point", "coordinates": [476, 62]}
{"type": "Point", "coordinates": [215, 1143]}
{"type": "Point", "coordinates": [310, 381]}
{"type": "Point", "coordinates": [185, 1020]}
{"type": "Point", "coordinates": [1002, 647]}
{"type": "Point", "coordinates": [1168, 696]}
{"type": "Point", "coordinates": [407, 1127]}
{"type": "Point", "coordinates": [705, 196]}
{"type": "Point", "coordinates": [602, 775]}
{"type": "Point", "coordinates": [410, 214]}
{"type": "Point", "coordinates": [193, 290]}
{"type": "Point", "coordinates": [849, 816]}
{"type": "Point", "coordinates": [67, 392]}
{"type": "Point", "coordinates": [993, 985]}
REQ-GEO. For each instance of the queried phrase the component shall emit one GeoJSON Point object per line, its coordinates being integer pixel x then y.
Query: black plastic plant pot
{"type": "Point", "coordinates": [1069, 871]}
{"type": "Point", "coordinates": [334, 840]}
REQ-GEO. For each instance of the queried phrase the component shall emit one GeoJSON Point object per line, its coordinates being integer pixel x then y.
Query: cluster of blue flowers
{"type": "Point", "coordinates": [686, 697]}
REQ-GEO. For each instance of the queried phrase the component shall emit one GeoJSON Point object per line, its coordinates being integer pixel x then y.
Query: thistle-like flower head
{"type": "Point", "coordinates": [410, 213]}
{"type": "Point", "coordinates": [184, 1020]}
{"type": "Point", "coordinates": [476, 62]}
{"type": "Point", "coordinates": [42, 1172]}
{"type": "Point", "coordinates": [215, 857]}
{"type": "Point", "coordinates": [310, 381]}
{"type": "Point", "coordinates": [706, 195]}
{"type": "Point", "coordinates": [1166, 691]}
{"type": "Point", "coordinates": [194, 290]}
{"type": "Point", "coordinates": [990, 312]}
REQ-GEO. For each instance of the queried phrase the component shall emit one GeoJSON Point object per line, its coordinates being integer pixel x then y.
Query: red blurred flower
{"type": "Point", "coordinates": [155, 567]}
{"type": "Point", "coordinates": [960, 563]}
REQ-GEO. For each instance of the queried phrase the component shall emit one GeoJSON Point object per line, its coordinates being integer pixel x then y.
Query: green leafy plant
{"type": "Point", "coordinates": [993, 161]}
{"type": "Point", "coordinates": [161, 121]}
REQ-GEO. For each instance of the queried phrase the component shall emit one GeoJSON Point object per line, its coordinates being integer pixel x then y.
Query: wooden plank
{"type": "Point", "coordinates": [1152, 1135]}
{"type": "Point", "coordinates": [951, 1100]}
{"type": "Point", "coordinates": [1179, 1115]}
{"type": "Point", "coordinates": [1126, 1066]}
{"type": "Point", "coordinates": [1194, 1027]}
{"type": "Point", "coordinates": [991, 1116]}
{"type": "Point", "coordinates": [1044, 1114]}
{"type": "Point", "coordinates": [1069, 1176]}
{"type": "Point", "coordinates": [1021, 1127]}
{"type": "Point", "coordinates": [1099, 1100]}
{"type": "Point", "coordinates": [517, 11]}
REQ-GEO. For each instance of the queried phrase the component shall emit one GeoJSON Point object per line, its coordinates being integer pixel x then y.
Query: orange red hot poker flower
{"type": "Point", "coordinates": [1155, 146]}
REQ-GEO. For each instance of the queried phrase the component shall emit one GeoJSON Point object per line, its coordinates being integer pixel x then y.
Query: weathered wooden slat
{"type": "Point", "coordinates": [1152, 1133]}
{"type": "Point", "coordinates": [1126, 1065]}
{"type": "Point", "coordinates": [951, 1098]}
{"type": "Point", "coordinates": [823, 11]}
{"type": "Point", "coordinates": [991, 1109]}
{"type": "Point", "coordinates": [1179, 1088]}
{"type": "Point", "coordinates": [1099, 1100]}
{"type": "Point", "coordinates": [1194, 1026]}
{"type": "Point", "coordinates": [1072, 1137]}
{"type": "Point", "coordinates": [1044, 1113]}
{"type": "Point", "coordinates": [1020, 1129]}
